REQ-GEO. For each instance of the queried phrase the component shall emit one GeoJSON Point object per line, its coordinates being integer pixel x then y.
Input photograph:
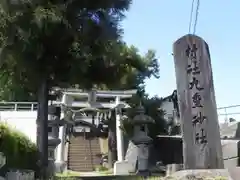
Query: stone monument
{"type": "Point", "coordinates": [198, 113]}
{"type": "Point", "coordinates": [53, 135]}
{"type": "Point", "coordinates": [142, 140]}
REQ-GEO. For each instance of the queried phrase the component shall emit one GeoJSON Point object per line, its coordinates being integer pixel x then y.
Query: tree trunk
{"type": "Point", "coordinates": [42, 127]}
{"type": "Point", "coordinates": [112, 151]}
{"type": "Point", "coordinates": [112, 146]}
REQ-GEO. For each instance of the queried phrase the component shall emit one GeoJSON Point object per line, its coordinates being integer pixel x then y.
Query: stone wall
{"type": "Point", "coordinates": [231, 153]}
{"type": "Point", "coordinates": [169, 151]}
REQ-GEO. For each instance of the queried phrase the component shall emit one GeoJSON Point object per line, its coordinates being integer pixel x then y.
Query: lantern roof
{"type": "Point", "coordinates": [141, 118]}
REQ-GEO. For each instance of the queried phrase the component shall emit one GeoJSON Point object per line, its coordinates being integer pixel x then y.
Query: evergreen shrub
{"type": "Point", "coordinates": [21, 153]}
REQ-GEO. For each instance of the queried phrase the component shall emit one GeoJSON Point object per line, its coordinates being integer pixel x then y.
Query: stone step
{"type": "Point", "coordinates": [83, 153]}
{"type": "Point", "coordinates": [77, 165]}
{"type": "Point", "coordinates": [81, 165]}
{"type": "Point", "coordinates": [78, 141]}
{"type": "Point", "coordinates": [84, 147]}
{"type": "Point", "coordinates": [77, 158]}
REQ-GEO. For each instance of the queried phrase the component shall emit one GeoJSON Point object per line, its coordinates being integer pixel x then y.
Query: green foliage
{"type": "Point", "coordinates": [100, 168]}
{"type": "Point", "coordinates": [134, 68]}
{"type": "Point", "coordinates": [69, 43]}
{"type": "Point", "coordinates": [20, 152]}
{"type": "Point", "coordinates": [11, 90]}
{"type": "Point", "coordinates": [66, 42]}
{"type": "Point", "coordinates": [127, 126]}
{"type": "Point", "coordinates": [129, 72]}
{"type": "Point", "coordinates": [152, 109]}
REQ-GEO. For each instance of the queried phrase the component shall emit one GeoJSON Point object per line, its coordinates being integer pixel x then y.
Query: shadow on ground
{"type": "Point", "coordinates": [107, 178]}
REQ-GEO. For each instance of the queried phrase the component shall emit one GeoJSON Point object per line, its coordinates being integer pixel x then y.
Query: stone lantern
{"type": "Point", "coordinates": [54, 123]}
{"type": "Point", "coordinates": [142, 140]}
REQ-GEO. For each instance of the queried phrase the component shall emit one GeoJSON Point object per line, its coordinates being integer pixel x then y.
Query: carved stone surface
{"type": "Point", "coordinates": [197, 105]}
{"type": "Point", "coordinates": [51, 168]}
{"type": "Point", "coordinates": [140, 137]}
{"type": "Point", "coordinates": [131, 155]}
{"type": "Point", "coordinates": [143, 155]}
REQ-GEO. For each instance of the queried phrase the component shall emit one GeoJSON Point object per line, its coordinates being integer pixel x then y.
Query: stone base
{"type": "Point", "coordinates": [172, 168]}
{"type": "Point", "coordinates": [122, 168]}
{"type": "Point", "coordinates": [60, 166]}
{"type": "Point", "coordinates": [201, 174]}
{"type": "Point", "coordinates": [51, 168]}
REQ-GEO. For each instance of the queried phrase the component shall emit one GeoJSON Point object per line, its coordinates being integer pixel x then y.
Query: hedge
{"type": "Point", "coordinates": [20, 152]}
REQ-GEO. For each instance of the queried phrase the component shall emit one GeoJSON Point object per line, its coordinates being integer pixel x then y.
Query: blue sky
{"type": "Point", "coordinates": [156, 24]}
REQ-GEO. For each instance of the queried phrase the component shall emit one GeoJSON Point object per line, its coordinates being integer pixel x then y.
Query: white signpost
{"type": "Point", "coordinates": [201, 136]}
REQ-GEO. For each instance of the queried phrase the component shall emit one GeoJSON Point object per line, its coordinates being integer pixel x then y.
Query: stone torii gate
{"type": "Point", "coordinates": [69, 100]}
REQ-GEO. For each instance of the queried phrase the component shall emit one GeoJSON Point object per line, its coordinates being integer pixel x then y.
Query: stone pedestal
{"type": "Point", "coordinates": [141, 141]}
{"type": "Point", "coordinates": [172, 168]}
{"type": "Point", "coordinates": [143, 154]}
{"type": "Point", "coordinates": [132, 156]}
{"type": "Point", "coordinates": [52, 144]}
{"type": "Point", "coordinates": [122, 168]}
{"type": "Point", "coordinates": [60, 166]}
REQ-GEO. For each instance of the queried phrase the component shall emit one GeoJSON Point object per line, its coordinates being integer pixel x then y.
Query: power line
{"type": "Point", "coordinates": [191, 15]}
{"type": "Point", "coordinates": [196, 17]}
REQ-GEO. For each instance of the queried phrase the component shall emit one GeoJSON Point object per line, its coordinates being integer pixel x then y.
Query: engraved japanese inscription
{"type": "Point", "coordinates": [194, 71]}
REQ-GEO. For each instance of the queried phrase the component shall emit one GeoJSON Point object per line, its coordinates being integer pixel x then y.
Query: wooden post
{"type": "Point", "coordinates": [199, 120]}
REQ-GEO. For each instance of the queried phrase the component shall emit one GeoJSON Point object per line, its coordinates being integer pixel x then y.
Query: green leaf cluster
{"type": "Point", "coordinates": [20, 152]}
{"type": "Point", "coordinates": [151, 106]}
{"type": "Point", "coordinates": [66, 42]}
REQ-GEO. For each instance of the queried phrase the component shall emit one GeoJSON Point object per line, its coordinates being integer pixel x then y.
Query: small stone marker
{"type": "Point", "coordinates": [201, 137]}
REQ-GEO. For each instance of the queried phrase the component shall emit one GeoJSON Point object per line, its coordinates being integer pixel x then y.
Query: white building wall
{"type": "Point", "coordinates": [24, 121]}
{"type": "Point", "coordinates": [167, 107]}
